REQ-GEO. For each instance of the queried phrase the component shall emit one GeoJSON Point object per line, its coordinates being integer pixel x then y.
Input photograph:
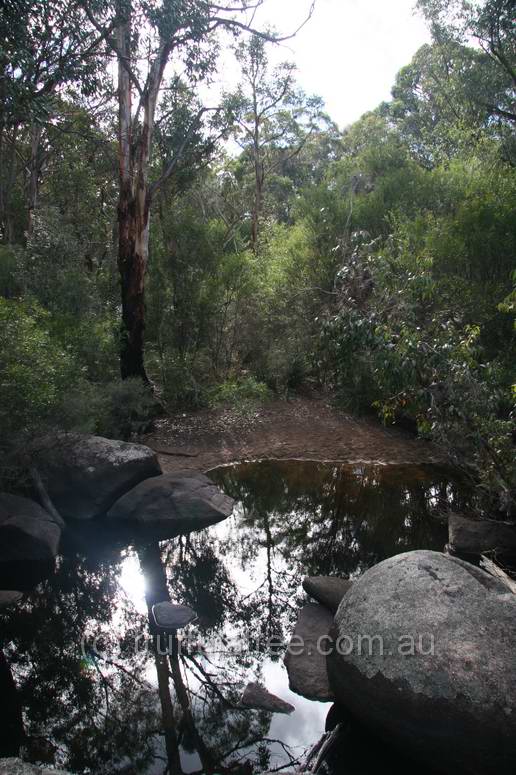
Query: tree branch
{"type": "Point", "coordinates": [271, 38]}
{"type": "Point", "coordinates": [180, 151]}
{"type": "Point", "coordinates": [105, 35]}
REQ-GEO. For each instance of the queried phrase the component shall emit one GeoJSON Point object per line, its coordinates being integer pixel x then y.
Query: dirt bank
{"type": "Point", "coordinates": [305, 429]}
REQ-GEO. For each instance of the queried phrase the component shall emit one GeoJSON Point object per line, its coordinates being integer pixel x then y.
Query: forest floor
{"type": "Point", "coordinates": [306, 429]}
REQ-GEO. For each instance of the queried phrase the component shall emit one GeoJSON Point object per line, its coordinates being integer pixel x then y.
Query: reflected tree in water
{"type": "Point", "coordinates": [118, 709]}
{"type": "Point", "coordinates": [80, 710]}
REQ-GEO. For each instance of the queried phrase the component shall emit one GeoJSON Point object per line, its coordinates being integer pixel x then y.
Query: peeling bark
{"type": "Point", "coordinates": [135, 144]}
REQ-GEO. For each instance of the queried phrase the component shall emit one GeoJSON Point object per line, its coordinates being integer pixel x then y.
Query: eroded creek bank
{"type": "Point", "coordinates": [300, 429]}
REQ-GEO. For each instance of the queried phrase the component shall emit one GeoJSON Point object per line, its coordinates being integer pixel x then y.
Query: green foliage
{"type": "Point", "coordinates": [181, 380]}
{"type": "Point", "coordinates": [44, 388]}
{"type": "Point", "coordinates": [123, 408]}
{"type": "Point", "coordinates": [244, 393]}
{"type": "Point", "coordinates": [377, 262]}
{"type": "Point", "coordinates": [398, 341]}
{"type": "Point", "coordinates": [36, 372]}
{"type": "Point", "coordinates": [8, 265]}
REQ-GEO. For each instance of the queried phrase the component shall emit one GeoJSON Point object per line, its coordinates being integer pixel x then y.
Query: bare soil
{"type": "Point", "coordinates": [303, 429]}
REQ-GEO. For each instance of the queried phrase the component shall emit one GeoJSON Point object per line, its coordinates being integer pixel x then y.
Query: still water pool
{"type": "Point", "coordinates": [95, 696]}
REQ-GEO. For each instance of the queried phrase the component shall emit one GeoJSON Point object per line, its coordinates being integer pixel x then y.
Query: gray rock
{"type": "Point", "coordinates": [478, 536]}
{"type": "Point", "coordinates": [17, 767]}
{"type": "Point", "coordinates": [305, 659]}
{"type": "Point", "coordinates": [327, 590]}
{"type": "Point", "coordinates": [452, 703]}
{"type": "Point", "coordinates": [169, 616]}
{"type": "Point", "coordinates": [8, 598]}
{"type": "Point", "coordinates": [173, 504]}
{"type": "Point", "coordinates": [84, 475]}
{"type": "Point", "coordinates": [29, 540]}
{"type": "Point", "coordinates": [256, 697]}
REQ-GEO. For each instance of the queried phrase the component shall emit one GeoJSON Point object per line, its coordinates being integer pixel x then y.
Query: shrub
{"type": "Point", "coordinates": [36, 372]}
{"type": "Point", "coordinates": [240, 393]}
{"type": "Point", "coordinates": [177, 377]}
{"type": "Point", "coordinates": [286, 367]}
{"type": "Point", "coordinates": [124, 408]}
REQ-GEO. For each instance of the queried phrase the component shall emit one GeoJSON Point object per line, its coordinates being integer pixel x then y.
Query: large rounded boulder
{"type": "Point", "coordinates": [84, 475]}
{"type": "Point", "coordinates": [29, 542]}
{"type": "Point", "coordinates": [424, 653]}
{"type": "Point", "coordinates": [170, 505]}
{"type": "Point", "coordinates": [478, 536]}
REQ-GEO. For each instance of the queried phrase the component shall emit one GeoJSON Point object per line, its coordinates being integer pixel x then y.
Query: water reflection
{"type": "Point", "coordinates": [94, 702]}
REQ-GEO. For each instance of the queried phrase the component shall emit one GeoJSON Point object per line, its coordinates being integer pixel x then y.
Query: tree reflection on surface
{"type": "Point", "coordinates": [107, 706]}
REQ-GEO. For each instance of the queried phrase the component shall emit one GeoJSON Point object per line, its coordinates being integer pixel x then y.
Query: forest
{"type": "Point", "coordinates": [165, 247]}
{"type": "Point", "coordinates": [257, 389]}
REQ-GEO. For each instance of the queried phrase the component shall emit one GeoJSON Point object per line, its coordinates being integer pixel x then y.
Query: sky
{"type": "Point", "coordinates": [350, 51]}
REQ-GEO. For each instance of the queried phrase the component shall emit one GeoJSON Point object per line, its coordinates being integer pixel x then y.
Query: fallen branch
{"type": "Point", "coordinates": [494, 570]}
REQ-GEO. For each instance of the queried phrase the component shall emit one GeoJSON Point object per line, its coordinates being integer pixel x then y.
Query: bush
{"type": "Point", "coordinates": [285, 367]}
{"type": "Point", "coordinates": [180, 388]}
{"type": "Point", "coordinates": [240, 393]}
{"type": "Point", "coordinates": [398, 352]}
{"type": "Point", "coordinates": [43, 389]}
{"type": "Point", "coordinates": [36, 372]}
{"type": "Point", "coordinates": [123, 409]}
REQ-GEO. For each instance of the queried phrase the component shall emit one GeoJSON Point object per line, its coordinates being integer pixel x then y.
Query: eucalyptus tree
{"type": "Point", "coordinates": [490, 25]}
{"type": "Point", "coordinates": [275, 118]}
{"type": "Point", "coordinates": [441, 101]}
{"type": "Point", "coordinates": [151, 42]}
{"type": "Point", "coordinates": [46, 47]}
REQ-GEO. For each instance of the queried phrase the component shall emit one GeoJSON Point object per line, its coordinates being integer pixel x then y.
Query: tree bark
{"type": "Point", "coordinates": [259, 176]}
{"type": "Point", "coordinates": [34, 173]}
{"type": "Point", "coordinates": [135, 143]}
{"type": "Point", "coordinates": [133, 247]}
{"type": "Point", "coordinates": [133, 216]}
{"type": "Point", "coordinates": [8, 141]}
{"type": "Point", "coordinates": [258, 199]}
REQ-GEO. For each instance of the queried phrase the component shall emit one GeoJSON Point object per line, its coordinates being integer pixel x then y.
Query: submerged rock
{"type": "Point", "coordinates": [17, 767]}
{"type": "Point", "coordinates": [347, 740]}
{"type": "Point", "coordinates": [305, 659]}
{"type": "Point", "coordinates": [256, 697]}
{"type": "Point", "coordinates": [84, 475]}
{"type": "Point", "coordinates": [8, 597]}
{"type": "Point", "coordinates": [171, 617]}
{"type": "Point", "coordinates": [29, 540]}
{"type": "Point", "coordinates": [172, 504]}
{"type": "Point", "coordinates": [478, 536]}
{"type": "Point", "coordinates": [427, 660]}
{"type": "Point", "coordinates": [327, 590]}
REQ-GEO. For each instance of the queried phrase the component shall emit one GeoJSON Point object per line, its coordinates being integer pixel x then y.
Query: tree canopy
{"type": "Point", "coordinates": [257, 248]}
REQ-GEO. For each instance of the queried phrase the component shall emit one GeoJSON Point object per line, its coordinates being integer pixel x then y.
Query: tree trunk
{"type": "Point", "coordinates": [34, 172]}
{"type": "Point", "coordinates": [133, 215]}
{"type": "Point", "coordinates": [156, 592]}
{"type": "Point", "coordinates": [135, 143]}
{"type": "Point", "coordinates": [7, 176]}
{"type": "Point", "coordinates": [133, 247]}
{"type": "Point", "coordinates": [167, 712]}
{"type": "Point", "coordinates": [258, 174]}
{"type": "Point", "coordinates": [258, 204]}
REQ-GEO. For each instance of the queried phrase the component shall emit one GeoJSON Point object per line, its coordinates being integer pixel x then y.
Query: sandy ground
{"type": "Point", "coordinates": [306, 429]}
